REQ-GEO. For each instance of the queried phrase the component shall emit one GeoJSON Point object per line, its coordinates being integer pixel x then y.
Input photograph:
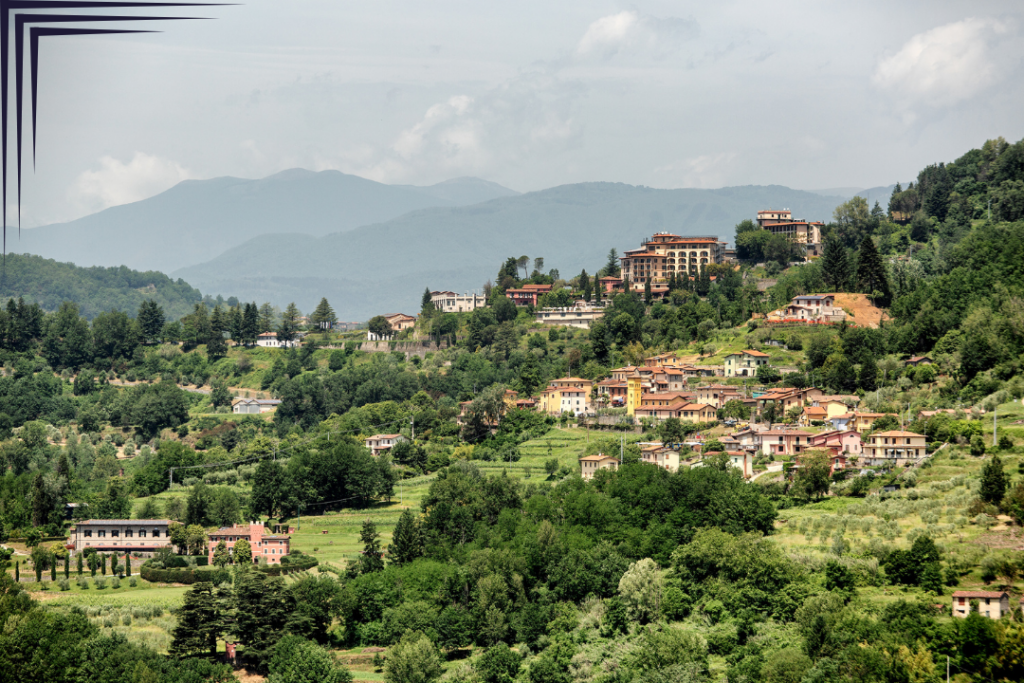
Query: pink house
{"type": "Point", "coordinates": [784, 441]}
{"type": "Point", "coordinates": [838, 441]}
{"type": "Point", "coordinates": [272, 548]}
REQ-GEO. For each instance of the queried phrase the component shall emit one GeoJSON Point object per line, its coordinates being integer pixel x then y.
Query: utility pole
{"type": "Point", "coordinates": [995, 426]}
{"type": "Point", "coordinates": [412, 424]}
{"type": "Point", "coordinates": [172, 477]}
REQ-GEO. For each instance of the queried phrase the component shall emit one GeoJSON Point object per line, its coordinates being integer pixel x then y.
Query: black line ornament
{"type": "Point", "coordinates": [22, 21]}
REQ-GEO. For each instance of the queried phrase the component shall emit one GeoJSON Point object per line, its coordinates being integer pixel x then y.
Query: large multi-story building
{"type": "Point", "coordinates": [666, 254]}
{"type": "Point", "coordinates": [527, 295]}
{"type": "Point", "coordinates": [580, 317]}
{"type": "Point", "coordinates": [894, 448]}
{"type": "Point", "coordinates": [780, 222]}
{"type": "Point", "coordinates": [450, 302]}
{"type": "Point", "coordinates": [121, 535]}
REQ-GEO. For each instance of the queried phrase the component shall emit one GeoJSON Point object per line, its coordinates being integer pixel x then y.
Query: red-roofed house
{"type": "Point", "coordinates": [527, 295]}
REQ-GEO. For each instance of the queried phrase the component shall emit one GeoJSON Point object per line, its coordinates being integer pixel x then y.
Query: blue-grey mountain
{"type": "Point", "coordinates": [198, 219]}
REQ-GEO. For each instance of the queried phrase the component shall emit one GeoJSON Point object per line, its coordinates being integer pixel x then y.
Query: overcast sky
{"type": "Point", "coordinates": [528, 94]}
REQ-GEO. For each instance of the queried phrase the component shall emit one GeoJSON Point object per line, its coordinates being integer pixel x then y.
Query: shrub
{"type": "Point", "coordinates": [126, 620]}
{"type": "Point", "coordinates": [64, 584]}
{"type": "Point", "coordinates": [115, 582]}
{"type": "Point", "coordinates": [133, 582]}
{"type": "Point", "coordinates": [101, 583]}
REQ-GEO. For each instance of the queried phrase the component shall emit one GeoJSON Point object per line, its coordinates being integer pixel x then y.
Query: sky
{"type": "Point", "coordinates": [527, 94]}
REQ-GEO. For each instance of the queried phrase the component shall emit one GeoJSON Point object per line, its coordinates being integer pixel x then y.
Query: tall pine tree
{"type": "Point", "coordinates": [407, 540]}
{"type": "Point", "coordinates": [871, 276]}
{"type": "Point", "coordinates": [289, 327]}
{"type": "Point", "coordinates": [835, 264]}
{"type": "Point", "coordinates": [250, 324]}
{"type": "Point", "coordinates": [323, 317]}
{"type": "Point", "coordinates": [372, 559]}
{"type": "Point", "coordinates": [200, 622]}
{"type": "Point", "coordinates": [151, 320]}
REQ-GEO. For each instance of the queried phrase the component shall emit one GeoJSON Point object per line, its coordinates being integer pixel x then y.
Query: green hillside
{"type": "Point", "coordinates": [95, 290]}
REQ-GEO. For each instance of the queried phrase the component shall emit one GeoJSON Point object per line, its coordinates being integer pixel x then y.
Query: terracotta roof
{"type": "Point", "coordinates": [785, 432]}
{"type": "Point", "coordinates": [980, 594]}
{"type": "Point", "coordinates": [383, 436]}
{"type": "Point", "coordinates": [897, 432]}
{"type": "Point", "coordinates": [598, 457]}
{"type": "Point", "coordinates": [815, 410]}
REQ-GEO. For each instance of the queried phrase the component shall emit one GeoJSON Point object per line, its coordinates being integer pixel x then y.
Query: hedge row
{"type": "Point", "coordinates": [190, 576]}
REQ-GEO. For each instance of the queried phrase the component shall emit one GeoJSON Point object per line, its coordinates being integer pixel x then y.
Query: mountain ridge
{"type": "Point", "coordinates": [196, 218]}
{"type": "Point", "coordinates": [385, 266]}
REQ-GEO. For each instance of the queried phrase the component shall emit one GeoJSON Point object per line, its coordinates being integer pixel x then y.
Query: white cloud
{"type": "Point", "coordinates": [631, 30]}
{"type": "Point", "coordinates": [946, 65]}
{"type": "Point", "coordinates": [704, 171]}
{"type": "Point", "coordinates": [481, 134]}
{"type": "Point", "coordinates": [116, 182]}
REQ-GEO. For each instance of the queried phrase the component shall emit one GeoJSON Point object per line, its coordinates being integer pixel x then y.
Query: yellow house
{"type": "Point", "coordinates": [833, 408]}
{"type": "Point", "coordinates": [550, 401]}
{"type": "Point", "coordinates": [863, 422]}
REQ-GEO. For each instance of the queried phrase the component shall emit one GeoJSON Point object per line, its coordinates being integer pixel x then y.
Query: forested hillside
{"type": "Point", "coordinates": [93, 290]}
{"type": "Point", "coordinates": [474, 550]}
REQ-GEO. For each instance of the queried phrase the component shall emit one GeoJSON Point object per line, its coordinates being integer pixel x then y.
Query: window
{"type": "Point", "coordinates": [101, 533]}
{"type": "Point", "coordinates": [88, 533]}
{"type": "Point", "coordinates": [142, 533]}
{"type": "Point", "coordinates": [128, 533]}
{"type": "Point", "coordinates": [156, 533]}
{"type": "Point", "coordinates": [114, 533]}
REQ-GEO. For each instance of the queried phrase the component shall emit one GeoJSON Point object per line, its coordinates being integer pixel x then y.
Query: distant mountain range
{"type": "Point", "coordinates": [372, 248]}
{"type": "Point", "coordinates": [198, 219]}
{"type": "Point", "coordinates": [383, 268]}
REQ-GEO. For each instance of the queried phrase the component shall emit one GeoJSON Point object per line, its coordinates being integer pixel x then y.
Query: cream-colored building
{"type": "Point", "coordinates": [991, 604]}
{"type": "Point", "coordinates": [780, 222]}
{"type": "Point", "coordinates": [590, 464]}
{"type": "Point", "coordinates": [382, 443]}
{"type": "Point", "coordinates": [894, 448]}
{"type": "Point", "coordinates": [580, 317]}
{"type": "Point", "coordinates": [450, 302]}
{"type": "Point", "coordinates": [121, 535]}
{"type": "Point", "coordinates": [656, 453]}
{"type": "Point", "coordinates": [744, 363]}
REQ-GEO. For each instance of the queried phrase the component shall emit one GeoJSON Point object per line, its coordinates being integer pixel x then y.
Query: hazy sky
{"type": "Point", "coordinates": [527, 94]}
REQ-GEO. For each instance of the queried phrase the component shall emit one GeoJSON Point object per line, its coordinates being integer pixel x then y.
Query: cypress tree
{"type": "Point", "coordinates": [993, 481]}
{"type": "Point", "coordinates": [407, 541]}
{"type": "Point", "coordinates": [79, 564]}
{"type": "Point", "coordinates": [127, 565]}
{"type": "Point", "coordinates": [67, 566]}
{"type": "Point", "coordinates": [372, 560]}
{"type": "Point", "coordinates": [648, 297]}
{"type": "Point", "coordinates": [835, 264]}
{"type": "Point", "coordinates": [39, 572]}
{"type": "Point", "coordinates": [103, 565]}
{"type": "Point", "coordinates": [53, 570]}
{"type": "Point", "coordinates": [17, 571]}
{"type": "Point", "coordinates": [871, 275]}
{"type": "Point", "coordinates": [598, 291]}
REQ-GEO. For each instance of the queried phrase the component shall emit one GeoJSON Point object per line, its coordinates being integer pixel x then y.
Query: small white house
{"type": "Point", "coordinates": [254, 406]}
{"type": "Point", "coordinates": [269, 340]}
{"type": "Point", "coordinates": [381, 443]}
